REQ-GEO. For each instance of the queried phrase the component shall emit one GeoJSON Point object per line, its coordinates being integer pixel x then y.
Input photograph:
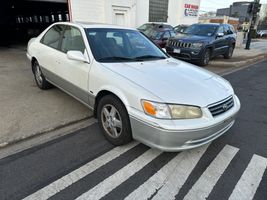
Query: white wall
{"type": "Point", "coordinates": [176, 12]}
{"type": "Point", "coordinates": [105, 11]}
{"type": "Point", "coordinates": [133, 12]}
{"type": "Point", "coordinates": [87, 10]}
{"type": "Point", "coordinates": [142, 12]}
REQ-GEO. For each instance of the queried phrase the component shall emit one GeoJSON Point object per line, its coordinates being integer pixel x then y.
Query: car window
{"type": "Point", "coordinates": [232, 29]}
{"type": "Point", "coordinates": [220, 29]}
{"type": "Point", "coordinates": [227, 30]}
{"type": "Point", "coordinates": [72, 40]}
{"type": "Point", "coordinates": [166, 35]}
{"type": "Point", "coordinates": [52, 36]}
{"type": "Point", "coordinates": [201, 29]}
{"type": "Point", "coordinates": [172, 33]}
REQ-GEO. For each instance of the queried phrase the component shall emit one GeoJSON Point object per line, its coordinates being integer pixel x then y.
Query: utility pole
{"type": "Point", "coordinates": [253, 10]}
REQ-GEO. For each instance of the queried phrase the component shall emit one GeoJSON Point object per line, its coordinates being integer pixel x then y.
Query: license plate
{"type": "Point", "coordinates": [177, 51]}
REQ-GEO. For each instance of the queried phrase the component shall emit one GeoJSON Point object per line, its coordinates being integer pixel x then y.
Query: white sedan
{"type": "Point", "coordinates": [135, 89]}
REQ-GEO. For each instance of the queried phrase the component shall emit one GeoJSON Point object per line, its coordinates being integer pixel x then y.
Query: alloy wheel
{"type": "Point", "coordinates": [38, 75]}
{"type": "Point", "coordinates": [111, 121]}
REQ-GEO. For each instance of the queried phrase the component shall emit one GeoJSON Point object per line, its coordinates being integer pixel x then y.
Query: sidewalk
{"type": "Point", "coordinates": [241, 58]}
{"type": "Point", "coordinates": [26, 111]}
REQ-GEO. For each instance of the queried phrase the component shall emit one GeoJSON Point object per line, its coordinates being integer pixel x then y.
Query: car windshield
{"type": "Point", "coordinates": [201, 29]}
{"type": "Point", "coordinates": [153, 34]}
{"type": "Point", "coordinates": [180, 29]}
{"type": "Point", "coordinates": [146, 26]}
{"type": "Point", "coordinates": [121, 45]}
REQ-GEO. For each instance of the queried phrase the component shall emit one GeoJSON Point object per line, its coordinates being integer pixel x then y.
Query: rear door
{"type": "Point", "coordinates": [48, 51]}
{"type": "Point", "coordinates": [230, 35]}
{"type": "Point", "coordinates": [220, 42]}
{"type": "Point", "coordinates": [73, 75]}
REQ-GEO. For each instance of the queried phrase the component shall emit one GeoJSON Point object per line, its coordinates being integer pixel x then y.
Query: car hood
{"type": "Point", "coordinates": [174, 81]}
{"type": "Point", "coordinates": [191, 38]}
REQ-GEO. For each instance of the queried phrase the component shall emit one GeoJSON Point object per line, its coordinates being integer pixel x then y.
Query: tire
{"type": "Point", "coordinates": [113, 120]}
{"type": "Point", "coordinates": [204, 61]}
{"type": "Point", "coordinates": [39, 77]}
{"type": "Point", "coordinates": [229, 52]}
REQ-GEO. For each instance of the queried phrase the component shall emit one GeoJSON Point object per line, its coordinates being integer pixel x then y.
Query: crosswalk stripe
{"type": "Point", "coordinates": [208, 179]}
{"type": "Point", "coordinates": [169, 178]}
{"type": "Point", "coordinates": [120, 176]}
{"type": "Point", "coordinates": [248, 183]}
{"type": "Point", "coordinates": [67, 180]}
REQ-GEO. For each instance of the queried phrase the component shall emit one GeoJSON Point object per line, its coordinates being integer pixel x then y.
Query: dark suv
{"type": "Point", "coordinates": [200, 42]}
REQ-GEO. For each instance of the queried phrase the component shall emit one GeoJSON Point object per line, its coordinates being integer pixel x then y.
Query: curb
{"type": "Point", "coordinates": [60, 126]}
{"type": "Point", "coordinates": [239, 63]}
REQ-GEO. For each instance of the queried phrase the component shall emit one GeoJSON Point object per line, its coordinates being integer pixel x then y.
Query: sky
{"type": "Point", "coordinates": [213, 5]}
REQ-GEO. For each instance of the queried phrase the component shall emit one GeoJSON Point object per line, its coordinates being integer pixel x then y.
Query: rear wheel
{"type": "Point", "coordinates": [40, 80]}
{"type": "Point", "coordinates": [229, 52]}
{"type": "Point", "coordinates": [206, 58]}
{"type": "Point", "coordinates": [114, 120]}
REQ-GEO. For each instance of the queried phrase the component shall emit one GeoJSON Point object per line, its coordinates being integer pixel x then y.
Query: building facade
{"type": "Point", "coordinates": [237, 9]}
{"type": "Point", "coordinates": [133, 13]}
{"type": "Point", "coordinates": [221, 20]}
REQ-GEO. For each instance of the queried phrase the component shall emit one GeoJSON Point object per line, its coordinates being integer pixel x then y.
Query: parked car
{"type": "Point", "coordinates": [159, 33]}
{"type": "Point", "coordinates": [135, 89]}
{"type": "Point", "coordinates": [201, 42]}
{"type": "Point", "coordinates": [160, 36]}
{"type": "Point", "coordinates": [180, 28]}
{"type": "Point", "coordinates": [154, 25]}
{"type": "Point", "coordinates": [262, 33]}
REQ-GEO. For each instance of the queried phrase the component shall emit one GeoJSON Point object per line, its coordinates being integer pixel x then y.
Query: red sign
{"type": "Point", "coordinates": [191, 10]}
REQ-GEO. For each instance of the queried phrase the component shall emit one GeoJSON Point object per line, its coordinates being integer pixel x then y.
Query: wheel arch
{"type": "Point", "coordinates": [109, 91]}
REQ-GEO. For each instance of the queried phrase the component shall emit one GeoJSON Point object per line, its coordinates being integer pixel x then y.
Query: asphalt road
{"type": "Point", "coordinates": [84, 165]}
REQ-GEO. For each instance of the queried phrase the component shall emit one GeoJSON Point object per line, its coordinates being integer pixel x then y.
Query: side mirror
{"type": "Point", "coordinates": [76, 55]}
{"type": "Point", "coordinates": [220, 34]}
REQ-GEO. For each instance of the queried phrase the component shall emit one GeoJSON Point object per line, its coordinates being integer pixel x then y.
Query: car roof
{"type": "Point", "coordinates": [157, 23]}
{"type": "Point", "coordinates": [94, 25]}
{"type": "Point", "coordinates": [209, 24]}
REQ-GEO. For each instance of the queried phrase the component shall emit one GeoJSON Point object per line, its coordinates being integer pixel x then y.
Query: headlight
{"type": "Point", "coordinates": [157, 110]}
{"type": "Point", "coordinates": [185, 112]}
{"type": "Point", "coordinates": [169, 111]}
{"type": "Point", "coordinates": [197, 45]}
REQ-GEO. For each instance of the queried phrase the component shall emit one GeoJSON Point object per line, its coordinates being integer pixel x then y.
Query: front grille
{"type": "Point", "coordinates": [221, 106]}
{"type": "Point", "coordinates": [180, 44]}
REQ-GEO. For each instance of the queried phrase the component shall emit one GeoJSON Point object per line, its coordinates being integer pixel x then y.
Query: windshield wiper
{"type": "Point", "coordinates": [116, 58]}
{"type": "Point", "coordinates": [149, 57]}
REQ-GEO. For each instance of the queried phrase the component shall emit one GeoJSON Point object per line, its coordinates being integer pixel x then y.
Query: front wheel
{"type": "Point", "coordinates": [229, 52]}
{"type": "Point", "coordinates": [206, 58]}
{"type": "Point", "coordinates": [114, 120]}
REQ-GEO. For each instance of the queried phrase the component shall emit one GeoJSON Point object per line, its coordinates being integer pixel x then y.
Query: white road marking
{"type": "Point", "coordinates": [204, 185]}
{"type": "Point", "coordinates": [120, 176]}
{"type": "Point", "coordinates": [169, 178]}
{"type": "Point", "coordinates": [79, 173]}
{"type": "Point", "coordinates": [248, 183]}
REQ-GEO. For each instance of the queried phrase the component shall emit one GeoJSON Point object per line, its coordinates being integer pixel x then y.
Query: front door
{"type": "Point", "coordinates": [73, 75]}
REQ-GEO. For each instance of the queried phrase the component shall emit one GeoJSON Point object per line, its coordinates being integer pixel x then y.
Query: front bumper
{"type": "Point", "coordinates": [178, 139]}
{"type": "Point", "coordinates": [185, 53]}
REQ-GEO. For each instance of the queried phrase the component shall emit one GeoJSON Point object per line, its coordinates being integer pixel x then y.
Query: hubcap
{"type": "Point", "coordinates": [38, 75]}
{"type": "Point", "coordinates": [231, 50]}
{"type": "Point", "coordinates": [111, 121]}
{"type": "Point", "coordinates": [206, 58]}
